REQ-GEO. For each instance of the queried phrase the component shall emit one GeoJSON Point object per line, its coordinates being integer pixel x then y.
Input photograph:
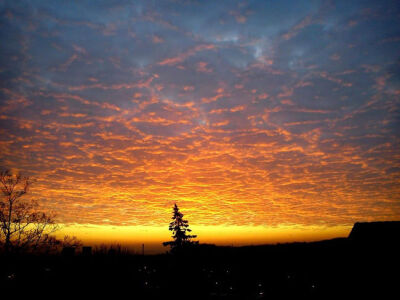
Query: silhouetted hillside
{"type": "Point", "coordinates": [319, 270]}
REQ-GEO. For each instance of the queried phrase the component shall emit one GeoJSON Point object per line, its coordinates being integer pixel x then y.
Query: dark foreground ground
{"type": "Point", "coordinates": [320, 270]}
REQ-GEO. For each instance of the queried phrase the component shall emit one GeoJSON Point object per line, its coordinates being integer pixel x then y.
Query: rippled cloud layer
{"type": "Point", "coordinates": [244, 113]}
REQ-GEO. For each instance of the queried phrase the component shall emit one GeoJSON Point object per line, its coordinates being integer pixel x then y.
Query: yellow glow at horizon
{"type": "Point", "coordinates": [220, 235]}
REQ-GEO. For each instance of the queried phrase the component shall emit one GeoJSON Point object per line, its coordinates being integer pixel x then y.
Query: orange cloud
{"type": "Point", "coordinates": [202, 67]}
{"type": "Point", "coordinates": [297, 28]}
{"type": "Point", "coordinates": [157, 39]}
{"type": "Point", "coordinates": [182, 57]}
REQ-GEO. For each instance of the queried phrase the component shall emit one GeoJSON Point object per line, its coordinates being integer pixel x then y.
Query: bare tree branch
{"type": "Point", "coordinates": [23, 225]}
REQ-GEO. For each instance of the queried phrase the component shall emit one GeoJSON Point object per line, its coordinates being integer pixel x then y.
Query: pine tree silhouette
{"type": "Point", "coordinates": [180, 228]}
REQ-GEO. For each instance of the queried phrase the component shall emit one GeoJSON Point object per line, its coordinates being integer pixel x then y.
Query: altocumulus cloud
{"type": "Point", "coordinates": [287, 110]}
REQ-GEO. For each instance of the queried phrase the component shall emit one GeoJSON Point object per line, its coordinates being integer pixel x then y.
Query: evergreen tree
{"type": "Point", "coordinates": [180, 229]}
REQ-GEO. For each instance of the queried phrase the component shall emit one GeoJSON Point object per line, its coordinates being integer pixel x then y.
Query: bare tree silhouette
{"type": "Point", "coordinates": [72, 242]}
{"type": "Point", "coordinates": [180, 228]}
{"type": "Point", "coordinates": [22, 223]}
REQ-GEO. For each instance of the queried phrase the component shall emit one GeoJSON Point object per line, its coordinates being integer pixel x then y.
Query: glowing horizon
{"type": "Point", "coordinates": [133, 237]}
{"type": "Point", "coordinates": [270, 119]}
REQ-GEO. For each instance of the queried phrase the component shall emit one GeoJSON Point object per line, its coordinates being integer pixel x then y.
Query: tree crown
{"type": "Point", "coordinates": [180, 229]}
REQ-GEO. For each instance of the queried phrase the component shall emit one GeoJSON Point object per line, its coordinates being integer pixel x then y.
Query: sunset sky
{"type": "Point", "coordinates": [264, 121]}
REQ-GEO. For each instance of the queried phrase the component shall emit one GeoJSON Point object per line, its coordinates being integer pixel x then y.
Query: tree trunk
{"type": "Point", "coordinates": [8, 235]}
